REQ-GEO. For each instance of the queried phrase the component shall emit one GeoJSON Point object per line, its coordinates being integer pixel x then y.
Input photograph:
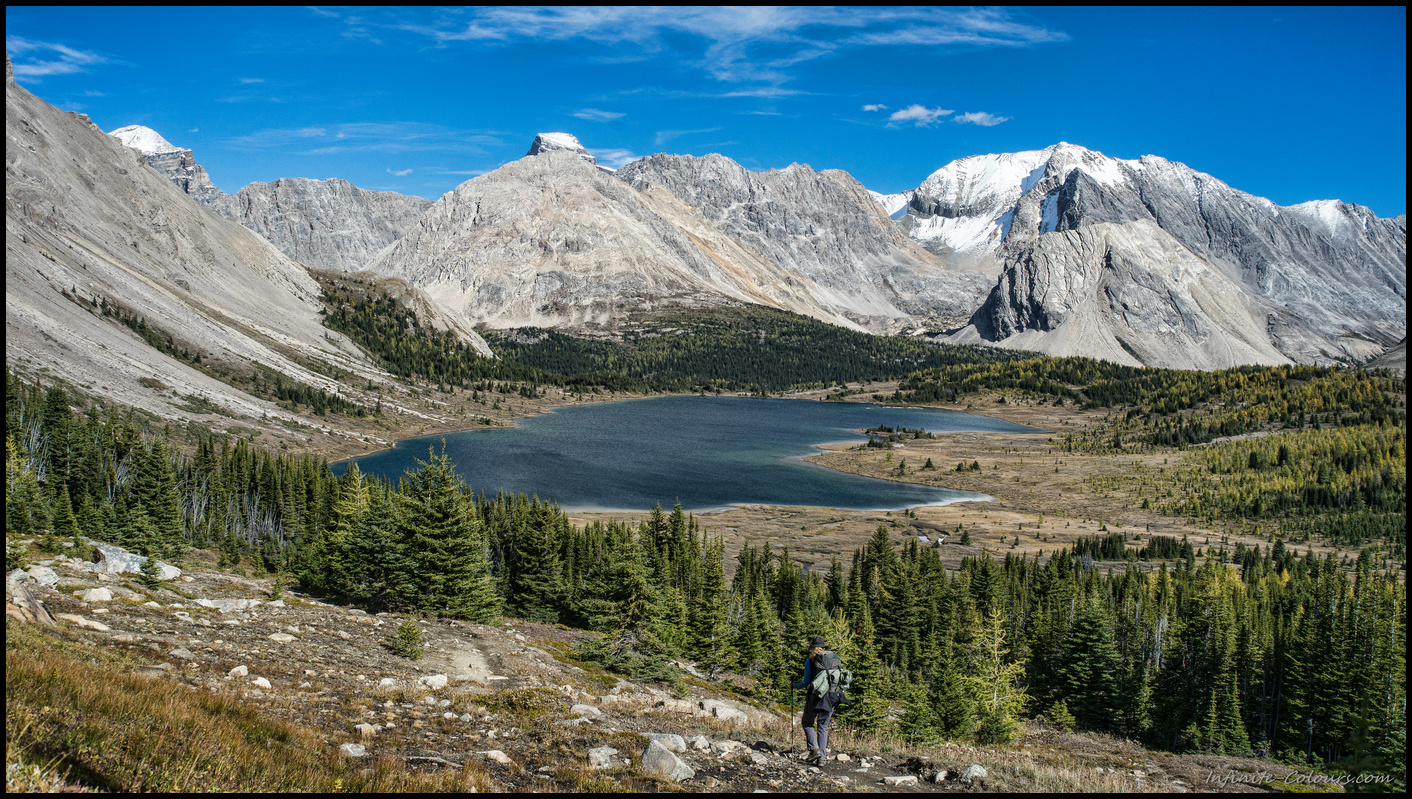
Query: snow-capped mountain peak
{"type": "Point", "coordinates": [144, 139]}
{"type": "Point", "coordinates": [545, 142]}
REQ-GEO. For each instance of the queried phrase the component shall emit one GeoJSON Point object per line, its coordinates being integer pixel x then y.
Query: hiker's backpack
{"type": "Point", "coordinates": [831, 680]}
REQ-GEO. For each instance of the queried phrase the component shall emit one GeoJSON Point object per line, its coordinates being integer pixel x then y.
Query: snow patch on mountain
{"type": "Point", "coordinates": [145, 140]}
{"type": "Point", "coordinates": [558, 140]}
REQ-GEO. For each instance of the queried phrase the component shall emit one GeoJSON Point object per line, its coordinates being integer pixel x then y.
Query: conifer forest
{"type": "Point", "coordinates": [1274, 651]}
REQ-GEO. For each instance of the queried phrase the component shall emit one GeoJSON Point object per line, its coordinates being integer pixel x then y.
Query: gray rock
{"type": "Point", "coordinates": [701, 743]}
{"type": "Point", "coordinates": [329, 224]}
{"type": "Point", "coordinates": [281, 638]}
{"type": "Point", "coordinates": [659, 760]}
{"type": "Point", "coordinates": [261, 682]}
{"type": "Point", "coordinates": [940, 776]}
{"type": "Point", "coordinates": [95, 595]}
{"type": "Point", "coordinates": [433, 681]}
{"type": "Point", "coordinates": [183, 653]}
{"type": "Point", "coordinates": [109, 559]}
{"type": "Point", "coordinates": [18, 577]}
{"type": "Point", "coordinates": [674, 743]}
{"type": "Point", "coordinates": [759, 758]}
{"type": "Point", "coordinates": [724, 711]}
{"type": "Point", "coordinates": [585, 710]}
{"type": "Point", "coordinates": [601, 757]}
{"type": "Point", "coordinates": [238, 671]}
{"type": "Point", "coordinates": [973, 772]}
{"type": "Point", "coordinates": [43, 576]}
{"type": "Point", "coordinates": [353, 750]}
{"type": "Point", "coordinates": [498, 756]}
{"type": "Point", "coordinates": [905, 779]}
{"type": "Point", "coordinates": [228, 605]}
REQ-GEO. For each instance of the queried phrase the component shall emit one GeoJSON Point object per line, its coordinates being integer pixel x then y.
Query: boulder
{"type": "Point", "coordinates": [261, 682]}
{"type": "Point", "coordinates": [585, 710]}
{"type": "Point", "coordinates": [387, 682]}
{"type": "Point", "coordinates": [238, 671]}
{"type": "Point", "coordinates": [659, 760]}
{"type": "Point", "coordinates": [353, 750]}
{"type": "Point", "coordinates": [601, 757]}
{"type": "Point", "coordinates": [700, 743]}
{"type": "Point", "coordinates": [22, 605]}
{"type": "Point", "coordinates": [109, 559]}
{"type": "Point", "coordinates": [282, 638]}
{"type": "Point", "coordinates": [433, 681]}
{"type": "Point", "coordinates": [43, 575]}
{"type": "Point", "coordinates": [95, 595]}
{"type": "Point", "coordinates": [499, 757]}
{"type": "Point", "coordinates": [973, 772]}
{"type": "Point", "coordinates": [906, 779]}
{"type": "Point", "coordinates": [18, 577]}
{"type": "Point", "coordinates": [674, 743]}
{"type": "Point", "coordinates": [940, 776]}
{"type": "Point", "coordinates": [724, 711]}
{"type": "Point", "coordinates": [183, 653]}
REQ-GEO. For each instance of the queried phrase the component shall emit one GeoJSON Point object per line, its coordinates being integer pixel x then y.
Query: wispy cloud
{"type": "Point", "coordinates": [737, 44]}
{"type": "Point", "coordinates": [919, 115]}
{"type": "Point", "coordinates": [34, 60]}
{"type": "Point", "coordinates": [596, 115]}
{"type": "Point", "coordinates": [981, 118]}
{"type": "Point", "coordinates": [614, 157]}
{"type": "Point", "coordinates": [194, 130]}
{"type": "Point", "coordinates": [874, 107]}
{"type": "Point", "coordinates": [664, 136]}
{"type": "Point", "coordinates": [399, 172]}
{"type": "Point", "coordinates": [384, 137]}
{"type": "Point", "coordinates": [252, 80]}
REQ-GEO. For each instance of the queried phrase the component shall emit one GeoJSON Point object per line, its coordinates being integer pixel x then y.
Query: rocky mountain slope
{"type": "Point", "coordinates": [507, 704]}
{"type": "Point", "coordinates": [821, 225]}
{"type": "Point", "coordinates": [552, 241]}
{"type": "Point", "coordinates": [1326, 281]}
{"type": "Point", "coordinates": [88, 225]}
{"type": "Point", "coordinates": [328, 224]}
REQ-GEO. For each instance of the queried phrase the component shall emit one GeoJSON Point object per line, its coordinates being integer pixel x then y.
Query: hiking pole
{"type": "Point", "coordinates": [791, 717]}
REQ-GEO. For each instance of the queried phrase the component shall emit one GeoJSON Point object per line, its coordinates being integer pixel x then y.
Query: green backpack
{"type": "Point", "coordinates": [831, 680]}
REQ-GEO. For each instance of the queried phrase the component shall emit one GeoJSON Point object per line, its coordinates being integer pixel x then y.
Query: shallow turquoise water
{"type": "Point", "coordinates": [707, 452]}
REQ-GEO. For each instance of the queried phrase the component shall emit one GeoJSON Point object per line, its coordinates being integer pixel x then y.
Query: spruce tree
{"type": "Point", "coordinates": [446, 544]}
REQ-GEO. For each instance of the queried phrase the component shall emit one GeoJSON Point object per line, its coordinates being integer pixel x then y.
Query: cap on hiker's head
{"type": "Point", "coordinates": [819, 641]}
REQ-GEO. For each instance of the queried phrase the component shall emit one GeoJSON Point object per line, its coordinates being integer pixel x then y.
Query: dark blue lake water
{"type": "Point", "coordinates": [707, 452]}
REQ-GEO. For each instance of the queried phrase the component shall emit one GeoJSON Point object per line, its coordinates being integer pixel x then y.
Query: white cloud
{"type": "Point", "coordinates": [874, 107]}
{"type": "Point", "coordinates": [32, 59]}
{"type": "Point", "coordinates": [252, 80]}
{"type": "Point", "coordinates": [194, 130]}
{"type": "Point", "coordinates": [595, 115]}
{"type": "Point", "coordinates": [741, 44]}
{"type": "Point", "coordinates": [614, 157]}
{"type": "Point", "coordinates": [399, 172]}
{"type": "Point", "coordinates": [919, 114]}
{"type": "Point", "coordinates": [664, 136]}
{"type": "Point", "coordinates": [981, 118]}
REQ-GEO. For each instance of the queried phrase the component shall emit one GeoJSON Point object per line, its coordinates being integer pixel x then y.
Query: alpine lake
{"type": "Point", "coordinates": [704, 452]}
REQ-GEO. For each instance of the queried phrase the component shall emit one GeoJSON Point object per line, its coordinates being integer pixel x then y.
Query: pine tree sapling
{"type": "Point", "coordinates": [407, 641]}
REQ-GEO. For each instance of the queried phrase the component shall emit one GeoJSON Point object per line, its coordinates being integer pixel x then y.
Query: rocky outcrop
{"type": "Point", "coordinates": [329, 224]}
{"type": "Point", "coordinates": [1326, 281]}
{"type": "Point", "coordinates": [823, 226]}
{"type": "Point", "coordinates": [1395, 358]}
{"type": "Point", "coordinates": [547, 142]}
{"type": "Point", "coordinates": [178, 164]}
{"type": "Point", "coordinates": [1124, 293]}
{"type": "Point", "coordinates": [552, 241]}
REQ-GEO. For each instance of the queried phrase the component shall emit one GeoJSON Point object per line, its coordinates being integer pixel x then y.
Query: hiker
{"type": "Point", "coordinates": [825, 679]}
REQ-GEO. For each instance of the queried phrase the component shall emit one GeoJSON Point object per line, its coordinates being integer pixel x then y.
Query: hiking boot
{"type": "Point", "coordinates": [814, 758]}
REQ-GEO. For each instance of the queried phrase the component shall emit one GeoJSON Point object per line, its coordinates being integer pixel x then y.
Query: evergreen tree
{"type": "Point", "coordinates": [445, 542]}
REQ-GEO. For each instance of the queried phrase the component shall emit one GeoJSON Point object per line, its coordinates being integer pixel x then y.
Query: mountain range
{"type": "Point", "coordinates": [1062, 250]}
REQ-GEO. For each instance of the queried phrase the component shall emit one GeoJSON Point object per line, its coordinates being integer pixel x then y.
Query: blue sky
{"type": "Point", "coordinates": [1292, 104]}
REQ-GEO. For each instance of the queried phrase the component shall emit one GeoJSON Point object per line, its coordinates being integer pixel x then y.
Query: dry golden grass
{"type": "Point", "coordinates": [114, 729]}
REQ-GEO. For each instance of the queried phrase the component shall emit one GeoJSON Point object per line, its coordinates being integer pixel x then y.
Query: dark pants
{"type": "Point", "coordinates": [813, 715]}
